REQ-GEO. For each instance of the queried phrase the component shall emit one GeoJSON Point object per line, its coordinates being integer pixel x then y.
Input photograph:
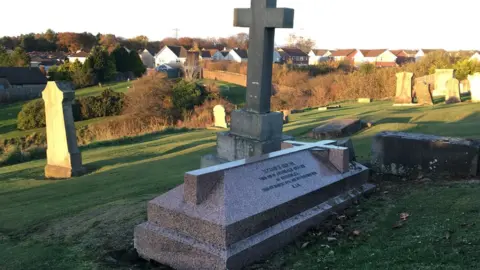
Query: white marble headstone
{"type": "Point", "coordinates": [475, 86]}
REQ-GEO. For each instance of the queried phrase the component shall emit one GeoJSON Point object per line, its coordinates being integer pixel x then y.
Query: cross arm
{"type": "Point", "coordinates": [272, 17]}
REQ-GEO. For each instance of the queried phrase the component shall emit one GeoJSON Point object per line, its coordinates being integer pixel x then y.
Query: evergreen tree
{"type": "Point", "coordinates": [102, 63]}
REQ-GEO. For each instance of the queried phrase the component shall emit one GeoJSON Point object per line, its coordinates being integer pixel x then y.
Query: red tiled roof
{"type": "Point", "coordinates": [373, 53]}
{"type": "Point", "coordinates": [345, 52]}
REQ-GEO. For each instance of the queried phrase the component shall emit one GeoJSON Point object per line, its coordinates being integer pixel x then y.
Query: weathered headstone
{"type": "Point", "coordinates": [475, 86]}
{"type": "Point", "coordinates": [64, 159]}
{"type": "Point", "coordinates": [220, 116]}
{"type": "Point", "coordinates": [441, 78]}
{"type": "Point", "coordinates": [464, 86]}
{"type": "Point", "coordinates": [286, 116]}
{"type": "Point", "coordinates": [453, 91]}
{"type": "Point", "coordinates": [404, 88]}
{"type": "Point", "coordinates": [401, 153]}
{"type": "Point", "coordinates": [422, 91]}
{"type": "Point", "coordinates": [337, 128]}
{"type": "Point", "coordinates": [255, 130]}
{"type": "Point", "coordinates": [364, 100]}
{"type": "Point", "coordinates": [233, 214]}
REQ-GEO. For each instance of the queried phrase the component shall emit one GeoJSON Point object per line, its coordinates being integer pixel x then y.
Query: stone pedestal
{"type": "Point", "coordinates": [251, 134]}
{"type": "Point", "coordinates": [64, 159]}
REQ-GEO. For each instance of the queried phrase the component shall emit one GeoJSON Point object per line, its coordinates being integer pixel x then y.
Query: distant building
{"type": "Point", "coordinates": [344, 55]}
{"type": "Point", "coordinates": [317, 56]}
{"type": "Point", "coordinates": [206, 55]}
{"type": "Point", "coordinates": [422, 52]}
{"type": "Point", "coordinates": [378, 57]}
{"type": "Point", "coordinates": [21, 83]}
{"type": "Point", "coordinates": [277, 57]}
{"type": "Point", "coordinates": [237, 55]}
{"type": "Point", "coordinates": [404, 56]}
{"type": "Point", "coordinates": [147, 58]}
{"type": "Point", "coordinates": [45, 63]}
{"type": "Point", "coordinates": [81, 56]}
{"type": "Point", "coordinates": [475, 57]}
{"type": "Point", "coordinates": [294, 55]}
{"type": "Point", "coordinates": [174, 56]}
{"type": "Point", "coordinates": [220, 55]}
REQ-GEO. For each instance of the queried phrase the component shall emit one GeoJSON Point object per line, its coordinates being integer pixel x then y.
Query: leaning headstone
{"type": "Point", "coordinates": [233, 214]}
{"type": "Point", "coordinates": [401, 153]}
{"type": "Point", "coordinates": [220, 116]}
{"type": "Point", "coordinates": [475, 86]}
{"type": "Point", "coordinates": [423, 94]}
{"type": "Point", "coordinates": [338, 128]}
{"type": "Point", "coordinates": [453, 92]}
{"type": "Point", "coordinates": [441, 78]}
{"type": "Point", "coordinates": [404, 88]}
{"type": "Point", "coordinates": [64, 159]}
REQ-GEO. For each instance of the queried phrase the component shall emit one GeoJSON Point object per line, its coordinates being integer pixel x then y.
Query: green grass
{"type": "Point", "coordinates": [9, 112]}
{"type": "Point", "coordinates": [231, 92]}
{"type": "Point", "coordinates": [78, 223]}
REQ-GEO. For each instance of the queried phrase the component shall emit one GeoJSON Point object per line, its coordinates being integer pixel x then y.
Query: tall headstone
{"type": "Point", "coordinates": [220, 116]}
{"type": "Point", "coordinates": [441, 78]}
{"type": "Point", "coordinates": [453, 91]}
{"type": "Point", "coordinates": [64, 159]}
{"type": "Point", "coordinates": [255, 130]}
{"type": "Point", "coordinates": [423, 94]}
{"type": "Point", "coordinates": [475, 86]}
{"type": "Point", "coordinates": [404, 88]}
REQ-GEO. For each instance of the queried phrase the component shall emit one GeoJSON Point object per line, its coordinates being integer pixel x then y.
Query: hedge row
{"type": "Point", "coordinates": [109, 103]}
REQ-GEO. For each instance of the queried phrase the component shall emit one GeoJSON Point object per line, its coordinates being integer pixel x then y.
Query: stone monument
{"type": "Point", "coordinates": [453, 91]}
{"type": "Point", "coordinates": [255, 130]}
{"type": "Point", "coordinates": [441, 78]}
{"type": "Point", "coordinates": [475, 86]}
{"type": "Point", "coordinates": [404, 88]}
{"type": "Point", "coordinates": [423, 94]}
{"type": "Point", "coordinates": [233, 214]}
{"type": "Point", "coordinates": [220, 116]}
{"type": "Point", "coordinates": [64, 160]}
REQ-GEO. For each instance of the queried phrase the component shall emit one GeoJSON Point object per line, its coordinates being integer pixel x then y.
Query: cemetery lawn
{"type": "Point", "coordinates": [9, 112]}
{"type": "Point", "coordinates": [87, 222]}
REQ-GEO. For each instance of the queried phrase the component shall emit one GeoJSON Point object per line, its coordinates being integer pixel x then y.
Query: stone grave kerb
{"type": "Point", "coordinates": [64, 159]}
{"type": "Point", "coordinates": [255, 130]}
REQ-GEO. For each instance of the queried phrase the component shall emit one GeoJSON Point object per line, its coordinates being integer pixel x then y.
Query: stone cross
{"type": "Point", "coordinates": [64, 160]}
{"type": "Point", "coordinates": [262, 18]}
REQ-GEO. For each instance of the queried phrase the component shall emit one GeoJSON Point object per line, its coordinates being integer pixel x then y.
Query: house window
{"type": "Point", "coordinates": [178, 61]}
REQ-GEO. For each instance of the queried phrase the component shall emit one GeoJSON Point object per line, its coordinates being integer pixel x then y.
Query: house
{"type": "Point", "coordinates": [174, 56]}
{"type": "Point", "coordinates": [344, 54]}
{"type": "Point", "coordinates": [422, 52]}
{"type": "Point", "coordinates": [147, 58]}
{"type": "Point", "coordinates": [21, 83]}
{"type": "Point", "coordinates": [45, 63]}
{"type": "Point", "coordinates": [237, 55]}
{"type": "Point", "coordinates": [220, 55]}
{"type": "Point", "coordinates": [404, 56]}
{"type": "Point", "coordinates": [81, 56]}
{"type": "Point", "coordinates": [475, 57]}
{"type": "Point", "coordinates": [317, 56]}
{"type": "Point", "coordinates": [379, 57]}
{"type": "Point", "coordinates": [294, 55]}
{"type": "Point", "coordinates": [206, 55]}
{"type": "Point", "coordinates": [277, 57]}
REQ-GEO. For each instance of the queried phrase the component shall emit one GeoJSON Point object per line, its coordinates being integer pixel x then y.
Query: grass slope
{"type": "Point", "coordinates": [77, 223]}
{"type": "Point", "coordinates": [9, 112]}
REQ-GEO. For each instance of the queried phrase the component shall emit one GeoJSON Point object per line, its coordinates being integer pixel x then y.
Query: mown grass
{"type": "Point", "coordinates": [78, 223]}
{"type": "Point", "coordinates": [9, 112]}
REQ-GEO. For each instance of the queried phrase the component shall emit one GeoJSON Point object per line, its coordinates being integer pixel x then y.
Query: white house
{"type": "Point", "coordinates": [316, 56]}
{"type": "Point", "coordinates": [344, 54]}
{"type": "Point", "coordinates": [277, 57]}
{"type": "Point", "coordinates": [81, 56]}
{"type": "Point", "coordinates": [147, 58]}
{"type": "Point", "coordinates": [380, 58]}
{"type": "Point", "coordinates": [237, 55]}
{"type": "Point", "coordinates": [219, 55]}
{"type": "Point", "coordinates": [422, 52]}
{"type": "Point", "coordinates": [171, 55]}
{"type": "Point", "coordinates": [475, 57]}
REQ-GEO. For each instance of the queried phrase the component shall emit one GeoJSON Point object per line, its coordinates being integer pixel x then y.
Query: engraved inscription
{"type": "Point", "coordinates": [286, 174]}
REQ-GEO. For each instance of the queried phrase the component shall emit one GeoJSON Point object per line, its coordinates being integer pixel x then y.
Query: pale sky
{"type": "Point", "coordinates": [363, 24]}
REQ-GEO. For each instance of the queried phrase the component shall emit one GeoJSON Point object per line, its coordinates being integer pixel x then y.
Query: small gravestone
{"type": "Point", "coordinates": [364, 100]}
{"type": "Point", "coordinates": [404, 88]}
{"type": "Point", "coordinates": [286, 116]}
{"type": "Point", "coordinates": [230, 215]}
{"type": "Point", "coordinates": [441, 78]}
{"type": "Point", "coordinates": [64, 159]}
{"type": "Point", "coordinates": [464, 86]}
{"type": "Point", "coordinates": [453, 91]}
{"type": "Point", "coordinates": [422, 91]}
{"type": "Point", "coordinates": [475, 86]}
{"type": "Point", "coordinates": [220, 116]}
{"type": "Point", "coordinates": [337, 128]}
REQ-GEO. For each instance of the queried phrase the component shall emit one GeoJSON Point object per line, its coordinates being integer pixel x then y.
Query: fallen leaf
{"type": "Point", "coordinates": [447, 235]}
{"type": "Point", "coordinates": [385, 192]}
{"type": "Point", "coordinates": [404, 216]}
{"type": "Point", "coordinates": [339, 228]}
{"type": "Point", "coordinates": [331, 239]}
{"type": "Point", "coordinates": [356, 232]}
{"type": "Point", "coordinates": [305, 244]}
{"type": "Point", "coordinates": [342, 217]}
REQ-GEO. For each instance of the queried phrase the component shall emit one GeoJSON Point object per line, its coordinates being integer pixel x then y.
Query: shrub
{"type": "Point", "coordinates": [186, 95]}
{"type": "Point", "coordinates": [32, 115]}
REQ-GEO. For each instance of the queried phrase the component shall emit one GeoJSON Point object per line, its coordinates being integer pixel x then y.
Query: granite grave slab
{"type": "Point", "coordinates": [423, 94]}
{"type": "Point", "coordinates": [230, 215]}
{"type": "Point", "coordinates": [337, 128]}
